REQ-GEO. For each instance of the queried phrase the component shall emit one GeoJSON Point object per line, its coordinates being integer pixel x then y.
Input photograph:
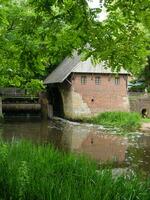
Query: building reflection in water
{"type": "Point", "coordinates": [94, 142]}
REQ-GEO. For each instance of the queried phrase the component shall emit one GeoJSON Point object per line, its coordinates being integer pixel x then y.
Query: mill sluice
{"type": "Point", "coordinates": [15, 102]}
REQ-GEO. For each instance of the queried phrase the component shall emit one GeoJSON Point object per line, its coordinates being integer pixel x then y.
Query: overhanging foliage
{"type": "Point", "coordinates": [35, 35]}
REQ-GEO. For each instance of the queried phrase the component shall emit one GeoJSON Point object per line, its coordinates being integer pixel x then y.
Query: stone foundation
{"type": "Point", "coordinates": [74, 106]}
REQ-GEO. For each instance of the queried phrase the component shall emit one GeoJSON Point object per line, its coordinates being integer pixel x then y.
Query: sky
{"type": "Point", "coordinates": [93, 3]}
{"type": "Point", "coordinates": [96, 4]}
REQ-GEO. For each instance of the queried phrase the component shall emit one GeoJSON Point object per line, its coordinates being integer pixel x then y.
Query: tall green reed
{"type": "Point", "coordinates": [32, 171]}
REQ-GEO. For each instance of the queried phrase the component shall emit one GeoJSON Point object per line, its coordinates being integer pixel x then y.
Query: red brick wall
{"type": "Point", "coordinates": [107, 96]}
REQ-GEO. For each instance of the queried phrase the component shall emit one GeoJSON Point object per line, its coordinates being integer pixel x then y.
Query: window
{"type": "Point", "coordinates": [117, 81]}
{"type": "Point", "coordinates": [83, 80]}
{"type": "Point", "coordinates": [97, 80]}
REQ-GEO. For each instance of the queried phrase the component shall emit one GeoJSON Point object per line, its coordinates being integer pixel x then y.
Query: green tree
{"type": "Point", "coordinates": [35, 35]}
{"type": "Point", "coordinates": [145, 75]}
{"type": "Point", "coordinates": [123, 38]}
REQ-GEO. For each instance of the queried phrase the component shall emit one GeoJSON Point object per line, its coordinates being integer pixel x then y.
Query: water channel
{"type": "Point", "coordinates": [100, 144]}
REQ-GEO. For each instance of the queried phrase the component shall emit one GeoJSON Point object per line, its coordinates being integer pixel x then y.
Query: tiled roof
{"type": "Point", "coordinates": [74, 64]}
{"type": "Point", "coordinates": [63, 70]}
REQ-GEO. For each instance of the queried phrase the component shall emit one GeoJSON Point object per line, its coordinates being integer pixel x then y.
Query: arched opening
{"type": "Point", "coordinates": [55, 99]}
{"type": "Point", "coordinates": [144, 112]}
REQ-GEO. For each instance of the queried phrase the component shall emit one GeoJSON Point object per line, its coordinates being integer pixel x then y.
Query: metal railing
{"type": "Point", "coordinates": [14, 92]}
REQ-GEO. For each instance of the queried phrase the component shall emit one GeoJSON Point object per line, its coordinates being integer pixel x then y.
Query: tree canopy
{"type": "Point", "coordinates": [35, 35]}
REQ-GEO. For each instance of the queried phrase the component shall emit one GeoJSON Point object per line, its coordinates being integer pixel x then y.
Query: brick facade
{"type": "Point", "coordinates": [90, 94]}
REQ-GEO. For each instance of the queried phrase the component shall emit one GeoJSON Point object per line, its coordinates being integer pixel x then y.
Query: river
{"type": "Point", "coordinates": [98, 143]}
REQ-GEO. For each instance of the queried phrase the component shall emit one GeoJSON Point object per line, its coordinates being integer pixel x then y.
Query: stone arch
{"type": "Point", "coordinates": [144, 112]}
{"type": "Point", "coordinates": [138, 103]}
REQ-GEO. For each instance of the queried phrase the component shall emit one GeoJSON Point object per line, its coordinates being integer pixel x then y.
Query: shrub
{"type": "Point", "coordinates": [137, 88]}
{"type": "Point", "coordinates": [124, 120]}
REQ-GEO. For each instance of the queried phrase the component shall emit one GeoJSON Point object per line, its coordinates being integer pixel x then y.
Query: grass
{"type": "Point", "coordinates": [146, 120]}
{"type": "Point", "coordinates": [39, 172]}
{"type": "Point", "coordinates": [126, 121]}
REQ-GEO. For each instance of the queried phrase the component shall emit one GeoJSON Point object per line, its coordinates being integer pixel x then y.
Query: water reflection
{"type": "Point", "coordinates": [138, 155]}
{"type": "Point", "coordinates": [104, 147]}
{"type": "Point", "coordinates": [90, 140]}
{"type": "Point", "coordinates": [35, 130]}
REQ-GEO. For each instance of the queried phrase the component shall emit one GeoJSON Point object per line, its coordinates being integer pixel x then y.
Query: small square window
{"type": "Point", "coordinates": [97, 80]}
{"type": "Point", "coordinates": [83, 80]}
{"type": "Point", "coordinates": [117, 81]}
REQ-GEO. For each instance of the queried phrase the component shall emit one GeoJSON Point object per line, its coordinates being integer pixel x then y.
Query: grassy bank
{"type": "Point", "coordinates": [146, 120]}
{"type": "Point", "coordinates": [39, 172]}
{"type": "Point", "coordinates": [126, 121]}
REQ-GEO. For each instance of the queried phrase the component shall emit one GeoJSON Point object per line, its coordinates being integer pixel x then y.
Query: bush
{"type": "Point", "coordinates": [38, 172]}
{"type": "Point", "coordinates": [124, 120]}
{"type": "Point", "coordinates": [137, 88]}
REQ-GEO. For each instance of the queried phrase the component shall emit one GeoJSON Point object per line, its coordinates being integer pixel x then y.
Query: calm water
{"type": "Point", "coordinates": [93, 141]}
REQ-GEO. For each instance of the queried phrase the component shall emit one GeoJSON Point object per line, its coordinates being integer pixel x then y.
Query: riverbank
{"type": "Point", "coordinates": [39, 172]}
{"type": "Point", "coordinates": [145, 127]}
{"type": "Point", "coordinates": [125, 122]}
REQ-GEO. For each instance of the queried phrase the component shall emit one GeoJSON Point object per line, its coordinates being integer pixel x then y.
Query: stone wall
{"type": "Point", "coordinates": [138, 102]}
{"type": "Point", "coordinates": [73, 104]}
{"type": "Point", "coordinates": [66, 94]}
